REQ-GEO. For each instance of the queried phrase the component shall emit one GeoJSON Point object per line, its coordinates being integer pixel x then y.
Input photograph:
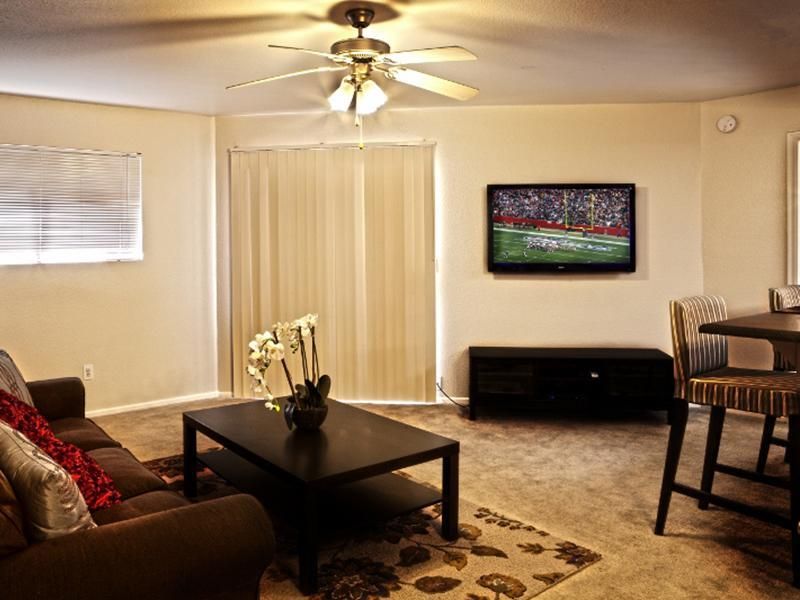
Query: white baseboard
{"type": "Point", "coordinates": [396, 402]}
{"type": "Point", "coordinates": [115, 410]}
{"type": "Point", "coordinates": [439, 400]}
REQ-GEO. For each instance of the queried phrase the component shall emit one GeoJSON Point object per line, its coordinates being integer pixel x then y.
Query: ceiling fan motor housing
{"type": "Point", "coordinates": [360, 49]}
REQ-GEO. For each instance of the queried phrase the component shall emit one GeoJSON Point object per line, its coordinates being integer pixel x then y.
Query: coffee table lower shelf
{"type": "Point", "coordinates": [371, 500]}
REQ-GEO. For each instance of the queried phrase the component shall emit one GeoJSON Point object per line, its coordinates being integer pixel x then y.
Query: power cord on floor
{"type": "Point", "coordinates": [446, 395]}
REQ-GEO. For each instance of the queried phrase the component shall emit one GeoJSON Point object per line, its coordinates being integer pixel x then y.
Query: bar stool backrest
{"type": "Point", "coordinates": [787, 296]}
{"type": "Point", "coordinates": [696, 352]}
{"type": "Point", "coordinates": [784, 297]}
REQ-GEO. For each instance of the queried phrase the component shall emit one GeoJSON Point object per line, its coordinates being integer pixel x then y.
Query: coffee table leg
{"type": "Point", "coordinates": [450, 497]}
{"type": "Point", "coordinates": [189, 461]}
{"type": "Point", "coordinates": [307, 544]}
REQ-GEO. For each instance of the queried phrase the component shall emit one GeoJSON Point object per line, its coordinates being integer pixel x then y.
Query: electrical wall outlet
{"type": "Point", "coordinates": [441, 381]}
{"type": "Point", "coordinates": [88, 372]}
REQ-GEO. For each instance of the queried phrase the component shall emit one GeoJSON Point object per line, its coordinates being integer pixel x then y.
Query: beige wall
{"type": "Point", "coordinates": [656, 146]}
{"type": "Point", "coordinates": [744, 205]}
{"type": "Point", "coordinates": [148, 327]}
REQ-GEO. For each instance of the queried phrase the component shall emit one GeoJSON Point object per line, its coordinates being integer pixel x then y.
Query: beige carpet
{"type": "Point", "coordinates": [594, 482]}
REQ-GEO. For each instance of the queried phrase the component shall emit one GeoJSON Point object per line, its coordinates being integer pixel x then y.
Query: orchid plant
{"type": "Point", "coordinates": [268, 347]}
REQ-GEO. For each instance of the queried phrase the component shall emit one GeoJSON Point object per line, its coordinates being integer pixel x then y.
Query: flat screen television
{"type": "Point", "coordinates": [562, 227]}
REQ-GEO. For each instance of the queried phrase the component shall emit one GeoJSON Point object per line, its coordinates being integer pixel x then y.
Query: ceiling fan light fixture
{"type": "Point", "coordinates": [340, 99]}
{"type": "Point", "coordinates": [369, 98]}
{"type": "Point", "coordinates": [363, 57]}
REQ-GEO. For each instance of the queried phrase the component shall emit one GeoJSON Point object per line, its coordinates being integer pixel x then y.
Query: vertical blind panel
{"type": "Point", "coordinates": [68, 206]}
{"type": "Point", "coordinates": [348, 234]}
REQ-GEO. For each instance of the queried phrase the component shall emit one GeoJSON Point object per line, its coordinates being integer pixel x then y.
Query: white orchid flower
{"type": "Point", "coordinates": [282, 330]}
{"type": "Point", "coordinates": [268, 346]}
{"type": "Point", "coordinates": [275, 351]}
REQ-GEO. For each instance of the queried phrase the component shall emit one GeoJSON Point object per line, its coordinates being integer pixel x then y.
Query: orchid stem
{"type": "Point", "coordinates": [303, 358]}
{"type": "Point", "coordinates": [291, 383]}
{"type": "Point", "coordinates": [314, 363]}
{"type": "Point", "coordinates": [314, 356]}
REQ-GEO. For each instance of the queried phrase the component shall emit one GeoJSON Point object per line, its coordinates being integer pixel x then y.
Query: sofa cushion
{"type": "Point", "coordinates": [85, 434]}
{"type": "Point", "coordinates": [130, 477]}
{"type": "Point", "coordinates": [11, 379]}
{"type": "Point", "coordinates": [51, 501]}
{"type": "Point", "coordinates": [138, 506]}
{"type": "Point", "coordinates": [95, 485]}
{"type": "Point", "coordinates": [12, 528]}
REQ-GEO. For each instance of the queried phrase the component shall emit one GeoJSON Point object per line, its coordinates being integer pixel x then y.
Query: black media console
{"type": "Point", "coordinates": [583, 379]}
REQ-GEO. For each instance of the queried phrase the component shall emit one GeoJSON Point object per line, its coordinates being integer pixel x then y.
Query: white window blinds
{"type": "Point", "coordinates": [69, 206]}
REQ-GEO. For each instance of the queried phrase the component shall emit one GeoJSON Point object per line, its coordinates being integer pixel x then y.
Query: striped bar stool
{"type": "Point", "coordinates": [703, 377]}
{"type": "Point", "coordinates": [779, 299]}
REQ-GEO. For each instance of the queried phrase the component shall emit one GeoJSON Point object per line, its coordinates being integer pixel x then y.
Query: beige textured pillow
{"type": "Point", "coordinates": [50, 499]}
{"type": "Point", "coordinates": [11, 379]}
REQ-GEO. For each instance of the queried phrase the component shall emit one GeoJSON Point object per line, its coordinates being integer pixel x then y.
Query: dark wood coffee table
{"type": "Point", "coordinates": [341, 474]}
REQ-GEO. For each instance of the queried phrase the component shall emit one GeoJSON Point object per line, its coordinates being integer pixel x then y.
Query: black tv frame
{"type": "Point", "coordinates": [495, 267]}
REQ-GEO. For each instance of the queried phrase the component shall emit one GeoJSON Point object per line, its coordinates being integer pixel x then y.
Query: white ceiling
{"type": "Point", "coordinates": [180, 54]}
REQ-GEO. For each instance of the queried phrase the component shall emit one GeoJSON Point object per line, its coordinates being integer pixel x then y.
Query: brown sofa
{"type": "Point", "coordinates": [154, 545]}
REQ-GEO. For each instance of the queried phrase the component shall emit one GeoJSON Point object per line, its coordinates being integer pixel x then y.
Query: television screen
{"type": "Point", "coordinates": [561, 227]}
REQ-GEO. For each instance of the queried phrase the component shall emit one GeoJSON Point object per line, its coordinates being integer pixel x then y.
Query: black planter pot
{"type": "Point", "coordinates": [309, 419]}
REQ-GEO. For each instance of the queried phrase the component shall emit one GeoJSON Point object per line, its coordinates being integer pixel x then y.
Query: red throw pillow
{"type": "Point", "coordinates": [24, 418]}
{"type": "Point", "coordinates": [94, 483]}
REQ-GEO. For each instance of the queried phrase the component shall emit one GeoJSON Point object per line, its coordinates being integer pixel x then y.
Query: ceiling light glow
{"type": "Point", "coordinates": [340, 99]}
{"type": "Point", "coordinates": [369, 98]}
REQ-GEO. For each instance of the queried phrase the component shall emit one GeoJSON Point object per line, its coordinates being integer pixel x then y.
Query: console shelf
{"type": "Point", "coordinates": [568, 379]}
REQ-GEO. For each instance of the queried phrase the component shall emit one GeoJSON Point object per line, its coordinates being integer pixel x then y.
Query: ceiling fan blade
{"type": "Point", "coordinates": [434, 84]}
{"type": "Point", "coordinates": [307, 51]}
{"type": "Point", "coordinates": [274, 77]}
{"type": "Point", "coordinates": [430, 55]}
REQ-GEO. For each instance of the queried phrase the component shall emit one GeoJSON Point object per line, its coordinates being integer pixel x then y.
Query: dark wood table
{"type": "Point", "coordinates": [782, 329]}
{"type": "Point", "coordinates": [341, 474]}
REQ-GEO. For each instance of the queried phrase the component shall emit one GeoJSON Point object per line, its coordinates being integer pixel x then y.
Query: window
{"type": "Point", "coordinates": [69, 206]}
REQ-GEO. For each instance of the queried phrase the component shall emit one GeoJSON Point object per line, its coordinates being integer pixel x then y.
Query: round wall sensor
{"type": "Point", "coordinates": [726, 123]}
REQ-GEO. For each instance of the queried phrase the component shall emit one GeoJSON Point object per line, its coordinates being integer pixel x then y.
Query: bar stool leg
{"type": "Point", "coordinates": [766, 438]}
{"type": "Point", "coordinates": [794, 470]}
{"type": "Point", "coordinates": [715, 423]}
{"type": "Point", "coordinates": [678, 416]}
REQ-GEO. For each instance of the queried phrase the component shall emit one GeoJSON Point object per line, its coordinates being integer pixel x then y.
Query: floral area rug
{"type": "Point", "coordinates": [495, 557]}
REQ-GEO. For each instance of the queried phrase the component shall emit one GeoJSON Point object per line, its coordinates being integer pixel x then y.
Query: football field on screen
{"type": "Point", "coordinates": [511, 245]}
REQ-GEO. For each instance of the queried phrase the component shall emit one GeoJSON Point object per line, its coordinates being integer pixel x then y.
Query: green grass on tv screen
{"type": "Point", "coordinates": [535, 246]}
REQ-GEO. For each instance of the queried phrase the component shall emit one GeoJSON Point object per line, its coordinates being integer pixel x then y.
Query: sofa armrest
{"type": "Point", "coordinates": [59, 398]}
{"type": "Point", "coordinates": [214, 549]}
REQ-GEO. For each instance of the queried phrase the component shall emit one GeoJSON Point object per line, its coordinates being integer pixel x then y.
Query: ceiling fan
{"type": "Point", "coordinates": [362, 56]}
